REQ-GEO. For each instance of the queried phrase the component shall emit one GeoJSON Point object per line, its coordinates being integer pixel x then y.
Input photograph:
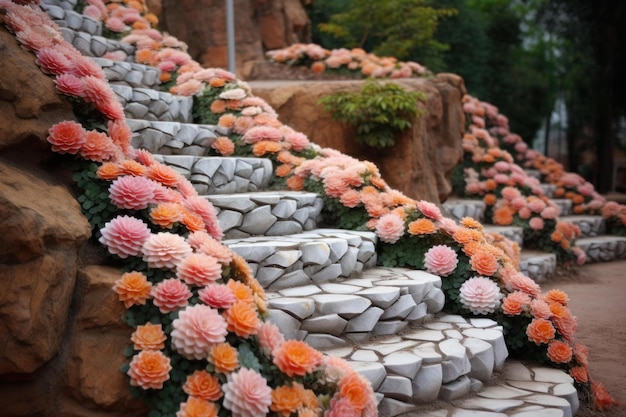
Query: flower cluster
{"type": "Point", "coordinates": [355, 61]}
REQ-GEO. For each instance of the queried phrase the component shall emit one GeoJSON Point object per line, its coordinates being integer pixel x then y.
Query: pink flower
{"type": "Point", "coordinates": [515, 303]}
{"type": "Point", "coordinates": [189, 88]}
{"type": "Point", "coordinates": [96, 89]}
{"type": "Point", "coordinates": [390, 228]}
{"type": "Point", "coordinates": [233, 94]}
{"type": "Point", "coordinates": [34, 39]}
{"type": "Point", "coordinates": [170, 295]}
{"type": "Point", "coordinates": [525, 213]}
{"type": "Point", "coordinates": [510, 193]}
{"type": "Point", "coordinates": [341, 407]}
{"type": "Point", "coordinates": [51, 61]}
{"type": "Point", "coordinates": [270, 337]}
{"type": "Point", "coordinates": [93, 12]}
{"type": "Point", "coordinates": [480, 295]}
{"type": "Point", "coordinates": [199, 269]}
{"type": "Point", "coordinates": [202, 207]}
{"type": "Point", "coordinates": [297, 140]}
{"type": "Point", "coordinates": [259, 133]}
{"type": "Point", "coordinates": [124, 236]}
{"type": "Point", "coordinates": [441, 260]}
{"type": "Point", "coordinates": [111, 107]}
{"type": "Point", "coordinates": [165, 250]}
{"type": "Point", "coordinates": [116, 25]}
{"type": "Point", "coordinates": [70, 85]}
{"type": "Point", "coordinates": [448, 225]}
{"type": "Point", "coordinates": [149, 369]}
{"type": "Point", "coordinates": [122, 135]}
{"type": "Point", "coordinates": [217, 296]}
{"type": "Point", "coordinates": [550, 213]}
{"type": "Point", "coordinates": [429, 210]}
{"type": "Point", "coordinates": [67, 137]}
{"type": "Point", "coordinates": [130, 192]}
{"type": "Point", "coordinates": [521, 282]}
{"type": "Point", "coordinates": [536, 223]}
{"type": "Point", "coordinates": [196, 330]}
{"type": "Point", "coordinates": [87, 67]}
{"type": "Point", "coordinates": [97, 147]}
{"type": "Point", "coordinates": [536, 205]}
{"type": "Point", "coordinates": [540, 309]}
{"type": "Point", "coordinates": [246, 394]}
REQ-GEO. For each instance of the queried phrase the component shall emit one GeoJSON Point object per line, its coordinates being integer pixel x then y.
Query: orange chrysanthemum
{"type": "Point", "coordinates": [491, 184]}
{"type": "Point", "coordinates": [224, 357]}
{"type": "Point", "coordinates": [218, 106]}
{"type": "Point", "coordinates": [131, 167]}
{"type": "Point", "coordinates": [265, 146]}
{"type": "Point", "coordinates": [227, 120]}
{"type": "Point", "coordinates": [242, 319]}
{"type": "Point", "coordinates": [540, 331]}
{"type": "Point", "coordinates": [165, 76]}
{"type": "Point", "coordinates": [241, 291]}
{"type": "Point", "coordinates": [133, 288]}
{"type": "Point", "coordinates": [197, 407]}
{"type": "Point", "coordinates": [318, 67]}
{"type": "Point", "coordinates": [148, 337]}
{"type": "Point", "coordinates": [109, 171]}
{"type": "Point", "coordinates": [463, 235]}
{"type": "Point", "coordinates": [471, 247]}
{"type": "Point", "coordinates": [163, 174]}
{"type": "Point", "coordinates": [202, 384]}
{"type": "Point", "coordinates": [286, 399]}
{"type": "Point", "coordinates": [283, 170]}
{"type": "Point", "coordinates": [294, 357]}
{"type": "Point", "coordinates": [422, 227]}
{"type": "Point", "coordinates": [556, 296]}
{"type": "Point", "coordinates": [354, 388]}
{"type": "Point", "coordinates": [145, 56]}
{"type": "Point", "coordinates": [295, 183]}
{"type": "Point", "coordinates": [166, 214]}
{"type": "Point", "coordinates": [217, 82]}
{"type": "Point", "coordinates": [484, 263]}
{"type": "Point", "coordinates": [558, 310]}
{"type": "Point", "coordinates": [224, 146]}
{"type": "Point", "coordinates": [579, 373]}
{"type": "Point", "coordinates": [559, 352]}
{"type": "Point", "coordinates": [192, 221]}
{"type": "Point", "coordinates": [503, 216]}
{"type": "Point", "coordinates": [471, 223]}
{"type": "Point", "coordinates": [556, 236]}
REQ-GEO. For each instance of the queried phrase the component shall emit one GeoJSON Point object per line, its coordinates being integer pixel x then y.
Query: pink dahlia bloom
{"type": "Point", "coordinates": [270, 337]}
{"type": "Point", "coordinates": [297, 140]}
{"type": "Point", "coordinates": [70, 85]}
{"type": "Point", "coordinates": [110, 107]}
{"type": "Point", "coordinates": [390, 228]}
{"type": "Point", "coordinates": [93, 12]}
{"type": "Point", "coordinates": [246, 394]}
{"type": "Point", "coordinates": [448, 225]}
{"type": "Point", "coordinates": [130, 192]}
{"type": "Point", "coordinates": [510, 193]}
{"type": "Point", "coordinates": [540, 309]}
{"type": "Point", "coordinates": [217, 250]}
{"type": "Point", "coordinates": [199, 269]}
{"type": "Point", "coordinates": [97, 147]}
{"type": "Point", "coordinates": [441, 260]}
{"type": "Point", "coordinates": [170, 295]}
{"type": "Point", "coordinates": [165, 250]}
{"type": "Point", "coordinates": [116, 25]}
{"type": "Point", "coordinates": [523, 283]}
{"type": "Point", "coordinates": [124, 236]}
{"type": "Point", "coordinates": [67, 137]}
{"type": "Point", "coordinates": [429, 210]}
{"type": "Point", "coordinates": [550, 212]}
{"type": "Point", "coordinates": [196, 330]}
{"type": "Point", "coordinates": [536, 205]}
{"type": "Point", "coordinates": [259, 133]}
{"type": "Point", "coordinates": [34, 39]}
{"type": "Point", "coordinates": [536, 223]}
{"type": "Point", "coordinates": [217, 296]}
{"type": "Point", "coordinates": [202, 207]}
{"type": "Point", "coordinates": [341, 407]}
{"type": "Point", "coordinates": [189, 88]}
{"type": "Point", "coordinates": [96, 89]}
{"type": "Point", "coordinates": [480, 295]}
{"type": "Point", "coordinates": [51, 61]}
{"type": "Point", "coordinates": [87, 67]}
{"type": "Point", "coordinates": [122, 135]}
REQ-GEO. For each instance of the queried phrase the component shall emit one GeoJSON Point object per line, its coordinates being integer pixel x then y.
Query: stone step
{"type": "Point", "coordinates": [130, 74]}
{"type": "Point", "coordinates": [315, 257]}
{"type": "Point", "coordinates": [63, 14]}
{"type": "Point", "coordinates": [222, 175]}
{"type": "Point", "coordinates": [548, 189]}
{"type": "Point", "coordinates": [445, 358]}
{"type": "Point", "coordinates": [514, 233]}
{"type": "Point", "coordinates": [564, 204]}
{"type": "Point", "coordinates": [174, 138]}
{"type": "Point", "coordinates": [269, 213]}
{"type": "Point", "coordinates": [96, 46]}
{"type": "Point", "coordinates": [459, 208]}
{"type": "Point", "coordinates": [535, 173]}
{"type": "Point", "coordinates": [149, 104]}
{"type": "Point", "coordinates": [380, 302]}
{"type": "Point", "coordinates": [589, 225]}
{"type": "Point", "coordinates": [537, 265]}
{"type": "Point", "coordinates": [603, 248]}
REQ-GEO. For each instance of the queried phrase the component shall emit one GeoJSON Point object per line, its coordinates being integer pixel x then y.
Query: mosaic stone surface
{"type": "Point", "coordinates": [130, 73]}
{"type": "Point", "coordinates": [148, 104]}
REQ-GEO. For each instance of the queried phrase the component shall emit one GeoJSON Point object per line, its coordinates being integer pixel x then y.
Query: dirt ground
{"type": "Point", "coordinates": [598, 298]}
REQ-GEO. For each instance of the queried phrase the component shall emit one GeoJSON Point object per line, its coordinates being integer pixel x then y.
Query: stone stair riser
{"type": "Point", "coordinates": [148, 104]}
{"type": "Point", "coordinates": [68, 18]}
{"type": "Point", "coordinates": [589, 226]}
{"type": "Point", "coordinates": [94, 45]}
{"type": "Point", "coordinates": [603, 248]}
{"type": "Point", "coordinates": [130, 74]}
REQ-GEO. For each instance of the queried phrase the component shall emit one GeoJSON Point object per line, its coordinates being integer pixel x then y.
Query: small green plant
{"type": "Point", "coordinates": [378, 111]}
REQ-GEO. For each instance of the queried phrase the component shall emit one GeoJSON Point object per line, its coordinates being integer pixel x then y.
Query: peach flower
{"type": "Point", "coordinates": [52, 61]}
{"type": "Point", "coordinates": [556, 296]}
{"type": "Point", "coordinates": [170, 295]}
{"type": "Point", "coordinates": [205, 209]}
{"type": "Point", "coordinates": [217, 296]}
{"type": "Point", "coordinates": [197, 407]}
{"type": "Point", "coordinates": [536, 223]}
{"type": "Point", "coordinates": [390, 228]}
{"type": "Point", "coordinates": [294, 357]}
{"type": "Point", "coordinates": [540, 331]}
{"type": "Point", "coordinates": [441, 260]}
{"type": "Point", "coordinates": [97, 147]}
{"type": "Point", "coordinates": [69, 85]}
{"type": "Point", "coordinates": [203, 385]}
{"type": "Point", "coordinates": [166, 215]}
{"type": "Point", "coordinates": [341, 407]}
{"type": "Point", "coordinates": [148, 337]}
{"type": "Point", "coordinates": [149, 369]}
{"type": "Point", "coordinates": [124, 236]}
{"type": "Point", "coordinates": [163, 174]}
{"type": "Point", "coordinates": [356, 389]}
{"type": "Point", "coordinates": [196, 330]}
{"type": "Point", "coordinates": [286, 399]}
{"type": "Point", "coordinates": [515, 303]}
{"type": "Point", "coordinates": [133, 288]}
{"type": "Point", "coordinates": [241, 291]}
{"type": "Point", "coordinates": [224, 357]}
{"type": "Point", "coordinates": [242, 319]}
{"type": "Point", "coordinates": [540, 309]}
{"type": "Point", "coordinates": [559, 352]}
{"type": "Point", "coordinates": [67, 137]}
{"type": "Point", "coordinates": [580, 374]}
{"type": "Point", "coordinates": [484, 262]}
{"type": "Point", "coordinates": [422, 227]}
{"type": "Point", "coordinates": [199, 269]}
{"type": "Point", "coordinates": [165, 250]}
{"type": "Point", "coordinates": [246, 394]}
{"type": "Point", "coordinates": [224, 146]}
{"type": "Point", "coordinates": [133, 168]}
{"type": "Point", "coordinates": [270, 337]}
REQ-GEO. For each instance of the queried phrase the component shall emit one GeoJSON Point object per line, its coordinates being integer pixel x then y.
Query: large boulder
{"type": "Point", "coordinates": [418, 164]}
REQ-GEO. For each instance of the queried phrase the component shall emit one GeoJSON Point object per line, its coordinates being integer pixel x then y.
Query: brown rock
{"type": "Point", "coordinates": [418, 164]}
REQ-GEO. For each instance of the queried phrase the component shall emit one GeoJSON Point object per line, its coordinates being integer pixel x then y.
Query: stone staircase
{"type": "Point", "coordinates": [322, 284]}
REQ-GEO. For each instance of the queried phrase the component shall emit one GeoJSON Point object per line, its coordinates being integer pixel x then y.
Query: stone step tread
{"type": "Point", "coordinates": [462, 207]}
{"type": "Point", "coordinates": [316, 256]}
{"type": "Point", "coordinates": [220, 174]}
{"type": "Point", "coordinates": [149, 104]}
{"type": "Point", "coordinates": [514, 233]}
{"type": "Point", "coordinates": [174, 138]}
{"type": "Point", "coordinates": [603, 248]}
{"type": "Point", "coordinates": [382, 301]}
{"type": "Point", "coordinates": [269, 213]}
{"type": "Point", "coordinates": [131, 74]}
{"type": "Point", "coordinates": [537, 264]}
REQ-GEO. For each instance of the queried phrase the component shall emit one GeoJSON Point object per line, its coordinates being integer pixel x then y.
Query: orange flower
{"type": "Point", "coordinates": [578, 209]}
{"type": "Point", "coordinates": [202, 384]}
{"type": "Point", "coordinates": [309, 399]}
{"type": "Point", "coordinates": [503, 216]}
{"type": "Point", "coordinates": [197, 407]}
{"type": "Point", "coordinates": [565, 244]}
{"type": "Point", "coordinates": [422, 227]}
{"type": "Point", "coordinates": [224, 357]}
{"type": "Point", "coordinates": [109, 171]}
{"type": "Point", "coordinates": [224, 146]}
{"type": "Point", "coordinates": [490, 199]}
{"type": "Point", "coordinates": [484, 263]}
{"type": "Point", "coordinates": [241, 291]}
{"type": "Point", "coordinates": [149, 369]}
{"type": "Point", "coordinates": [217, 82]}
{"type": "Point", "coordinates": [145, 56]}
{"type": "Point", "coordinates": [556, 296]}
{"type": "Point", "coordinates": [354, 387]}
{"type": "Point", "coordinates": [295, 183]}
{"type": "Point", "coordinates": [318, 67]}
{"type": "Point", "coordinates": [265, 146]}
{"type": "Point", "coordinates": [540, 331]}
{"type": "Point", "coordinates": [286, 399]}
{"type": "Point", "coordinates": [283, 170]}
{"type": "Point", "coordinates": [471, 223]}
{"type": "Point", "coordinates": [471, 247]}
{"type": "Point", "coordinates": [140, 25]}
{"type": "Point", "coordinates": [559, 192]}
{"type": "Point", "coordinates": [227, 120]}
{"type": "Point", "coordinates": [133, 288]}
{"type": "Point", "coordinates": [294, 357]}
{"type": "Point", "coordinates": [166, 214]}
{"type": "Point", "coordinates": [556, 236]}
{"type": "Point", "coordinates": [559, 352]}
{"type": "Point", "coordinates": [192, 221]}
{"type": "Point", "coordinates": [579, 373]}
{"type": "Point", "coordinates": [131, 167]}
{"type": "Point", "coordinates": [163, 174]}
{"type": "Point", "coordinates": [578, 199]}
{"type": "Point", "coordinates": [463, 235]}
{"type": "Point", "coordinates": [165, 76]}
{"type": "Point", "coordinates": [601, 397]}
{"type": "Point", "coordinates": [242, 319]}
{"type": "Point", "coordinates": [218, 106]}
{"type": "Point", "coordinates": [378, 182]}
{"type": "Point", "coordinates": [148, 337]}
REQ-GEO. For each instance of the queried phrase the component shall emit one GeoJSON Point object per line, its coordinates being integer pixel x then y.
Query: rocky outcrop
{"type": "Point", "coordinates": [422, 158]}
{"type": "Point", "coordinates": [260, 25]}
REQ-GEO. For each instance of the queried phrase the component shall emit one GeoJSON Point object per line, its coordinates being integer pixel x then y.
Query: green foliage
{"type": "Point", "coordinates": [202, 113]}
{"type": "Point", "coordinates": [378, 111]}
{"type": "Point", "coordinates": [94, 198]}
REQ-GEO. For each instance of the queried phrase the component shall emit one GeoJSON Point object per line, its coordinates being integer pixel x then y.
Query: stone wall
{"type": "Point", "coordinates": [420, 162]}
